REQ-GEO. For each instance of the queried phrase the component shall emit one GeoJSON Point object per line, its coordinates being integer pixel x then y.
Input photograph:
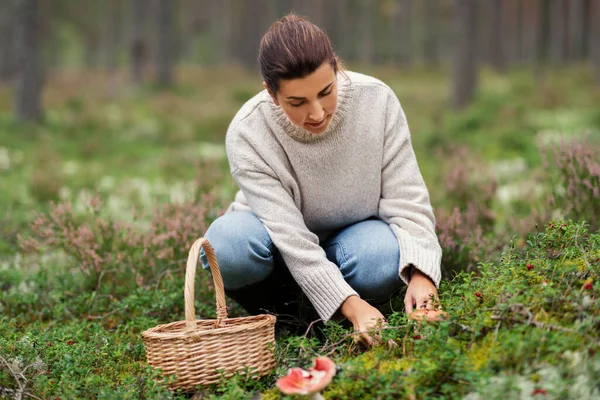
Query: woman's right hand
{"type": "Point", "coordinates": [364, 317]}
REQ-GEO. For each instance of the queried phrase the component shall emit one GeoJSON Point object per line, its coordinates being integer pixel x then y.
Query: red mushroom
{"type": "Point", "coordinates": [311, 382]}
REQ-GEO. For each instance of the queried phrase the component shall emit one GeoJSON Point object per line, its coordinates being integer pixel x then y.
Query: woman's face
{"type": "Point", "coordinates": [309, 102]}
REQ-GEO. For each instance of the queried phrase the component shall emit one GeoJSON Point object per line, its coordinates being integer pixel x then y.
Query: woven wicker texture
{"type": "Point", "coordinates": [201, 352]}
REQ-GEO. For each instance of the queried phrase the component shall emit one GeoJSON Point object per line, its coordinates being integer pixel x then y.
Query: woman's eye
{"type": "Point", "coordinates": [296, 104]}
{"type": "Point", "coordinates": [326, 94]}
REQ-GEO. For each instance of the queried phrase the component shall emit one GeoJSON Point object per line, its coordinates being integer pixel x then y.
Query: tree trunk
{"type": "Point", "coordinates": [7, 40]}
{"type": "Point", "coordinates": [220, 28]}
{"type": "Point", "coordinates": [430, 42]}
{"type": "Point", "coordinates": [529, 31]}
{"type": "Point", "coordinates": [366, 28]}
{"type": "Point", "coordinates": [594, 39]}
{"type": "Point", "coordinates": [139, 48]}
{"type": "Point", "coordinates": [400, 32]}
{"type": "Point", "coordinates": [338, 15]}
{"type": "Point", "coordinates": [542, 38]}
{"type": "Point", "coordinates": [112, 30]}
{"type": "Point", "coordinates": [558, 24]}
{"type": "Point", "coordinates": [465, 72]}
{"type": "Point", "coordinates": [164, 58]}
{"type": "Point", "coordinates": [576, 29]}
{"type": "Point", "coordinates": [586, 28]}
{"type": "Point", "coordinates": [28, 77]}
{"type": "Point", "coordinates": [246, 39]}
{"type": "Point", "coordinates": [498, 52]}
{"type": "Point", "coordinates": [519, 36]}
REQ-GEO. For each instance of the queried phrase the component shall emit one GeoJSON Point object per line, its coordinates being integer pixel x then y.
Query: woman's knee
{"type": "Point", "coordinates": [371, 261]}
{"type": "Point", "coordinates": [243, 249]}
{"type": "Point", "coordinates": [377, 281]}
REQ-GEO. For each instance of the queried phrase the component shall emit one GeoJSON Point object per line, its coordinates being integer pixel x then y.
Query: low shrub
{"type": "Point", "coordinates": [574, 177]}
{"type": "Point", "coordinates": [462, 229]}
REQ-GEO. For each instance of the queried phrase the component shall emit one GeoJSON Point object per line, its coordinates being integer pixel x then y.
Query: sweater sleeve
{"type": "Point", "coordinates": [318, 277]}
{"type": "Point", "coordinates": [404, 202]}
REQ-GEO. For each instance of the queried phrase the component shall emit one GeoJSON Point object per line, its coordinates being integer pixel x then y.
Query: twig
{"type": "Point", "coordinates": [15, 375]}
{"type": "Point", "coordinates": [310, 327]}
{"type": "Point", "coordinates": [542, 325]}
{"type": "Point", "coordinates": [496, 330]}
{"type": "Point", "coordinates": [334, 345]}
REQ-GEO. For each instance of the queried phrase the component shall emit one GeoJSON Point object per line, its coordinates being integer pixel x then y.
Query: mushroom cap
{"type": "Point", "coordinates": [299, 381]}
{"type": "Point", "coordinates": [428, 315]}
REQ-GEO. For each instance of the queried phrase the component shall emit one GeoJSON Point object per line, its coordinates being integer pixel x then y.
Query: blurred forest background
{"type": "Point", "coordinates": [113, 117]}
{"type": "Point", "coordinates": [154, 37]}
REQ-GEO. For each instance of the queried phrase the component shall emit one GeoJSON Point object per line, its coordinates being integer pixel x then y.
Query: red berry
{"type": "Point", "coordinates": [588, 286]}
{"type": "Point", "coordinates": [70, 342]}
{"type": "Point", "coordinates": [539, 391]}
{"type": "Point", "coordinates": [478, 295]}
{"type": "Point", "coordinates": [417, 337]}
{"type": "Point", "coordinates": [529, 267]}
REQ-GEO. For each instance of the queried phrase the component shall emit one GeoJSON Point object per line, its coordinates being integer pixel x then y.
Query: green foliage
{"type": "Point", "coordinates": [136, 177]}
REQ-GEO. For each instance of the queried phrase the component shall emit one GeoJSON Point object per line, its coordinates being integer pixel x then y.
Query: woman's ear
{"type": "Point", "coordinates": [273, 96]}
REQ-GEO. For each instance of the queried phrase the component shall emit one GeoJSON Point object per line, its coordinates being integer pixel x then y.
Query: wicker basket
{"type": "Point", "coordinates": [201, 352]}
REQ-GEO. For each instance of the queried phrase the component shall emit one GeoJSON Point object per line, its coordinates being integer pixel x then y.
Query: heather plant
{"type": "Point", "coordinates": [116, 257]}
{"type": "Point", "coordinates": [574, 178]}
{"type": "Point", "coordinates": [468, 184]}
{"type": "Point", "coordinates": [461, 238]}
{"type": "Point", "coordinates": [462, 229]}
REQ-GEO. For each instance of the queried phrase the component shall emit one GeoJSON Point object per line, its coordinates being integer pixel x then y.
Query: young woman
{"type": "Point", "coordinates": [332, 204]}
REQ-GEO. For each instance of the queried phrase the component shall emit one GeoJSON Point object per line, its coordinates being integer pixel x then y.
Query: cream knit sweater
{"type": "Point", "coordinates": [302, 186]}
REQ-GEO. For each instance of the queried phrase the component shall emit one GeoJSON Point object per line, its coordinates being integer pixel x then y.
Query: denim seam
{"type": "Point", "coordinates": [270, 248]}
{"type": "Point", "coordinates": [345, 257]}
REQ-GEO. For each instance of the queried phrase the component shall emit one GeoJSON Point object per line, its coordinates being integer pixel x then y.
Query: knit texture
{"type": "Point", "coordinates": [303, 186]}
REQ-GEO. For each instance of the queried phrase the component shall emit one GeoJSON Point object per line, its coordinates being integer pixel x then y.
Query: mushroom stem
{"type": "Point", "coordinates": [316, 396]}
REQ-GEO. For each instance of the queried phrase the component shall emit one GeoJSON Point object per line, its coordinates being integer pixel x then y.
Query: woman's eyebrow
{"type": "Point", "coordinates": [302, 98]}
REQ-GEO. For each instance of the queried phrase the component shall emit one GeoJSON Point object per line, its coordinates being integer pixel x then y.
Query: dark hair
{"type": "Point", "coordinates": [293, 47]}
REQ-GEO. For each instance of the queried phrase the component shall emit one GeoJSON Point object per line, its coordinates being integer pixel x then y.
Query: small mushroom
{"type": "Point", "coordinates": [311, 382]}
{"type": "Point", "coordinates": [428, 315]}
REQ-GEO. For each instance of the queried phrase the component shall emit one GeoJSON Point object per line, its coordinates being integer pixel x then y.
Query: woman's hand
{"type": "Point", "coordinates": [364, 317]}
{"type": "Point", "coordinates": [421, 293]}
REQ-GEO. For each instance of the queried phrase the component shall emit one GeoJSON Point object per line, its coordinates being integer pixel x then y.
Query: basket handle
{"type": "Point", "coordinates": [190, 275]}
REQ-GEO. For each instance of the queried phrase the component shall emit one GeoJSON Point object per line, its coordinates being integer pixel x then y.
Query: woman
{"type": "Point", "coordinates": [332, 202]}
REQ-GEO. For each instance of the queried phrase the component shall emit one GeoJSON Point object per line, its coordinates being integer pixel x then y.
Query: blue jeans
{"type": "Point", "coordinates": [367, 254]}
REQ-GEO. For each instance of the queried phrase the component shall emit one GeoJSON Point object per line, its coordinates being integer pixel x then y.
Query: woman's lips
{"type": "Point", "coordinates": [317, 125]}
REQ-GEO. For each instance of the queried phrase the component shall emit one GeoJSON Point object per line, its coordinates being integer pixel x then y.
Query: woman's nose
{"type": "Point", "coordinates": [316, 112]}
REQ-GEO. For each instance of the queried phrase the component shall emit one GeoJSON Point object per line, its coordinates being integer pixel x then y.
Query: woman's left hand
{"type": "Point", "coordinates": [421, 293]}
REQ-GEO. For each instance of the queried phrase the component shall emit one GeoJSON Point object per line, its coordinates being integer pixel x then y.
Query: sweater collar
{"type": "Point", "coordinates": [344, 92]}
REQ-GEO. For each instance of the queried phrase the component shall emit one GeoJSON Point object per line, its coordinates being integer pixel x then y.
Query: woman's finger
{"type": "Point", "coordinates": [423, 303]}
{"type": "Point", "coordinates": [408, 304]}
{"type": "Point", "coordinates": [429, 302]}
{"type": "Point", "coordinates": [377, 340]}
{"type": "Point", "coordinates": [366, 339]}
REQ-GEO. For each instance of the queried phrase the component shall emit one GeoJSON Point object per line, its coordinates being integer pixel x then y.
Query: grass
{"type": "Point", "coordinates": [71, 326]}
